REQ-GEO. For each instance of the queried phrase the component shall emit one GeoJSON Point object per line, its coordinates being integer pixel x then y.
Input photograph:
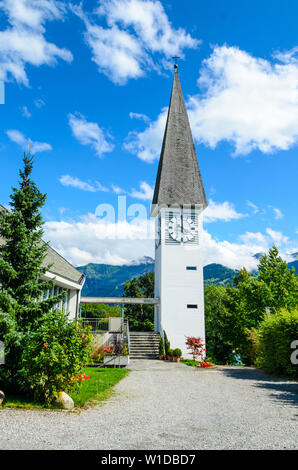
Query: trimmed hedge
{"type": "Point", "coordinates": [276, 334]}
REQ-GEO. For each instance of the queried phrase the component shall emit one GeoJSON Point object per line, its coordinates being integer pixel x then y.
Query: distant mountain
{"type": "Point", "coordinates": [104, 280]}
{"type": "Point", "coordinates": [258, 255]}
{"type": "Point", "coordinates": [295, 265]}
{"type": "Point", "coordinates": [218, 274]}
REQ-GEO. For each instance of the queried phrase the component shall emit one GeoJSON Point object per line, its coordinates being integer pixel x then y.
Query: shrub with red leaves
{"type": "Point", "coordinates": [196, 346]}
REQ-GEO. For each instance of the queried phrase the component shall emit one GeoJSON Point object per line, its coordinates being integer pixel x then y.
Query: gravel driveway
{"type": "Point", "coordinates": [163, 405]}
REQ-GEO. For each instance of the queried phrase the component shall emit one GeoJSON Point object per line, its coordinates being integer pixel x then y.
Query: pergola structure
{"type": "Point", "coordinates": [121, 301]}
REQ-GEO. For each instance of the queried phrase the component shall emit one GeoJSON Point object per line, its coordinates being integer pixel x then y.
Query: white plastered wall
{"type": "Point", "coordinates": [177, 288]}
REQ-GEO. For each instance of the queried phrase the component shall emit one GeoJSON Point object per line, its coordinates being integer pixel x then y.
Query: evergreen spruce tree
{"type": "Point", "coordinates": [23, 253]}
{"type": "Point", "coordinates": [22, 266]}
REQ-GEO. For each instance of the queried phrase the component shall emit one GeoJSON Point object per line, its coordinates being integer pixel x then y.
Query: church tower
{"type": "Point", "coordinates": [178, 202]}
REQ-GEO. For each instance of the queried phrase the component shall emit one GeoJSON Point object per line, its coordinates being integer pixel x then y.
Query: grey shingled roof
{"type": "Point", "coordinates": [178, 179]}
{"type": "Point", "coordinates": [60, 266]}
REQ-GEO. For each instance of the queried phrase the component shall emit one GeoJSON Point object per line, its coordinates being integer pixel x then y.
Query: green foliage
{"type": "Point", "coordinates": [276, 333]}
{"type": "Point", "coordinates": [43, 351]}
{"type": "Point", "coordinates": [100, 310]}
{"type": "Point", "coordinates": [140, 317]}
{"type": "Point", "coordinates": [218, 275]}
{"type": "Point", "coordinates": [88, 393]}
{"type": "Point", "coordinates": [23, 253]}
{"type": "Point", "coordinates": [219, 325]}
{"type": "Point", "coordinates": [167, 344]}
{"type": "Point", "coordinates": [190, 362]}
{"type": "Point", "coordinates": [54, 353]}
{"type": "Point", "coordinates": [177, 352]}
{"type": "Point", "coordinates": [161, 347]}
{"type": "Point", "coordinates": [233, 314]}
{"type": "Point", "coordinates": [99, 387]}
{"type": "Point", "coordinates": [97, 356]}
{"type": "Point", "coordinates": [253, 337]}
{"type": "Point", "coordinates": [275, 286]}
{"type": "Point", "coordinates": [105, 280]}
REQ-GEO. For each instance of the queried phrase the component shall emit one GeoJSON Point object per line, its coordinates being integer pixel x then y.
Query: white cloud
{"type": "Point", "coordinates": [75, 182]}
{"type": "Point", "coordinates": [94, 240]}
{"type": "Point", "coordinates": [277, 237]}
{"type": "Point", "coordinates": [137, 31]}
{"type": "Point", "coordinates": [232, 255]}
{"type": "Point", "coordinates": [248, 101]}
{"type": "Point", "coordinates": [99, 240]}
{"type": "Point", "coordinates": [142, 117]}
{"type": "Point", "coordinates": [145, 192]}
{"type": "Point", "coordinates": [25, 112]}
{"type": "Point", "coordinates": [277, 213]}
{"type": "Point", "coordinates": [89, 133]}
{"type": "Point", "coordinates": [39, 103]}
{"type": "Point", "coordinates": [224, 211]}
{"type": "Point", "coordinates": [253, 206]}
{"type": "Point", "coordinates": [241, 254]}
{"type": "Point", "coordinates": [147, 144]}
{"type": "Point", "coordinates": [24, 42]}
{"type": "Point", "coordinates": [117, 189]}
{"type": "Point", "coordinates": [255, 238]}
{"type": "Point", "coordinates": [19, 138]}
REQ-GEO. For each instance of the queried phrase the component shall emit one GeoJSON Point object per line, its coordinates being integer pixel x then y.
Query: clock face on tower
{"type": "Point", "coordinates": [182, 229]}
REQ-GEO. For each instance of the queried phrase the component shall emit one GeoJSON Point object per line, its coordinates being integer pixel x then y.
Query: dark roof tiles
{"type": "Point", "coordinates": [179, 180]}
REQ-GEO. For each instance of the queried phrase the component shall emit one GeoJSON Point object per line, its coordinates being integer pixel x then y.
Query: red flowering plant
{"type": "Point", "coordinates": [83, 377]}
{"type": "Point", "coordinates": [196, 347]}
{"type": "Point", "coordinates": [108, 350]}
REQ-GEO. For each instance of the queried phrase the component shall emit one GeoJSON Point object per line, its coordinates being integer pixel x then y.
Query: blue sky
{"type": "Point", "coordinates": [90, 83]}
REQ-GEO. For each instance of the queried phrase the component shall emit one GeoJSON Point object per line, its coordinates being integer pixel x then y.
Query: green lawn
{"type": "Point", "coordinates": [100, 385]}
{"type": "Point", "coordinates": [189, 362]}
{"type": "Point", "coordinates": [192, 363]}
{"type": "Point", "coordinates": [98, 388]}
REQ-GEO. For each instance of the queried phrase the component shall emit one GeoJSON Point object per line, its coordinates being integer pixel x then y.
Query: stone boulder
{"type": "Point", "coordinates": [2, 397]}
{"type": "Point", "coordinates": [65, 401]}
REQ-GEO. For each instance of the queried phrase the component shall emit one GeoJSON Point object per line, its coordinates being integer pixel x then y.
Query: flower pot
{"type": "Point", "coordinates": [176, 359]}
{"type": "Point", "coordinates": [161, 358]}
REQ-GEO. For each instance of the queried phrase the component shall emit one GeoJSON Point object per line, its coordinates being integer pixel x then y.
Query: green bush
{"type": "Point", "coordinates": [177, 352]}
{"type": "Point", "coordinates": [170, 352]}
{"type": "Point", "coordinates": [276, 333]}
{"type": "Point", "coordinates": [161, 348]}
{"type": "Point", "coordinates": [167, 344]}
{"type": "Point", "coordinates": [54, 353]}
{"type": "Point", "coordinates": [253, 340]}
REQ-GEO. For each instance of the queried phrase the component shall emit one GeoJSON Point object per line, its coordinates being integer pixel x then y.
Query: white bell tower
{"type": "Point", "coordinates": [178, 202]}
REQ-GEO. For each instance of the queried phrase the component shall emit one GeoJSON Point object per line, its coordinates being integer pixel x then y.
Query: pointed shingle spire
{"type": "Point", "coordinates": [179, 180]}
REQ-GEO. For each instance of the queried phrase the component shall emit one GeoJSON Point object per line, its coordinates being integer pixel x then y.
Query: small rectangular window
{"type": "Point", "coordinates": [191, 268]}
{"type": "Point", "coordinates": [192, 306]}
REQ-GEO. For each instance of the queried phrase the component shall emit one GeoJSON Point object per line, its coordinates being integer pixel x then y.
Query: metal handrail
{"type": "Point", "coordinates": [97, 324]}
{"type": "Point", "coordinates": [128, 337]}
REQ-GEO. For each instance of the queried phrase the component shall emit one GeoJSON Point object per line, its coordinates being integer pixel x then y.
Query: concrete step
{"type": "Point", "coordinates": [143, 356]}
{"type": "Point", "coordinates": [144, 345]}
